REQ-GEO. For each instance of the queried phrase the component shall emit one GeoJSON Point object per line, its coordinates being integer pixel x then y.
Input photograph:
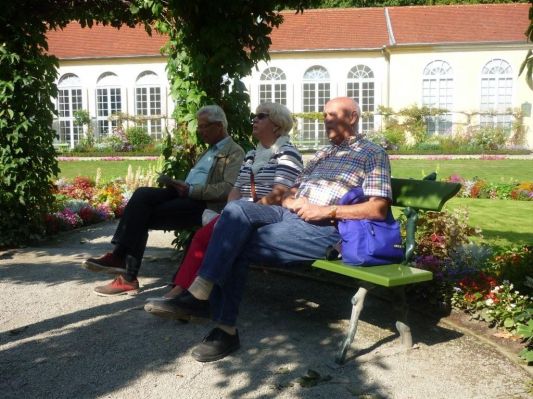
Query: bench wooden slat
{"type": "Point", "coordinates": [386, 275]}
{"type": "Point", "coordinates": [422, 194]}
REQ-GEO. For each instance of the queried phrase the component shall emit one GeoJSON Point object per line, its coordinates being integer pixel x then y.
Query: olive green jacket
{"type": "Point", "coordinates": [221, 177]}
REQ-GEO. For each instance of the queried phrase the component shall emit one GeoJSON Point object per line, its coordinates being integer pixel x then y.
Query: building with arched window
{"type": "Point", "coordinates": [459, 60]}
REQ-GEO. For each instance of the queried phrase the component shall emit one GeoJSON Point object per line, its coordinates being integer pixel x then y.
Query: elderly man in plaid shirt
{"type": "Point", "coordinates": [300, 230]}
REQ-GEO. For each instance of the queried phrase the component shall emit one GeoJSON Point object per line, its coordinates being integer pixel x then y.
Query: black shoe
{"type": "Point", "coordinates": [183, 307]}
{"type": "Point", "coordinates": [217, 345]}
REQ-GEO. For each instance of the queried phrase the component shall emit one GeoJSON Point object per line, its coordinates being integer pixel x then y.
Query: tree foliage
{"type": "Point", "coordinates": [212, 46]}
{"type": "Point", "coordinates": [27, 76]}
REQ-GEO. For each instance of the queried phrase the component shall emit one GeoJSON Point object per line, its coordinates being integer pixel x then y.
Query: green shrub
{"type": "Point", "coordinates": [394, 136]}
{"type": "Point", "coordinates": [27, 156]}
{"type": "Point", "coordinates": [138, 137]}
{"type": "Point", "coordinates": [489, 138]}
{"type": "Point", "coordinates": [514, 265]}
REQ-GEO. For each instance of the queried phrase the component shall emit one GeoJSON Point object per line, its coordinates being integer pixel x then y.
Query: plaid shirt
{"type": "Point", "coordinates": [336, 169]}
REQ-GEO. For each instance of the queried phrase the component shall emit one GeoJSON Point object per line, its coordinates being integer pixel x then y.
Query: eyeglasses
{"type": "Point", "coordinates": [206, 125]}
{"type": "Point", "coordinates": [259, 116]}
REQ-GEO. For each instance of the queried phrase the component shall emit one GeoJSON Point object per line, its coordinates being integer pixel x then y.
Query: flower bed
{"type": "Point", "coordinates": [84, 201]}
{"type": "Point", "coordinates": [479, 188]}
{"type": "Point", "coordinates": [491, 284]}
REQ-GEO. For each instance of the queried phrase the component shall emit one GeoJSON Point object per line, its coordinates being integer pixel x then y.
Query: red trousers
{"type": "Point", "coordinates": [195, 255]}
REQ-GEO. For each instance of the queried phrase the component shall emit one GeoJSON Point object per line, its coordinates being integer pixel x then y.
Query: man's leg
{"type": "Point", "coordinates": [290, 240]}
{"type": "Point", "coordinates": [154, 208]}
{"type": "Point", "coordinates": [230, 235]}
{"type": "Point", "coordinates": [176, 213]}
{"type": "Point", "coordinates": [132, 231]}
{"type": "Point", "coordinates": [151, 208]}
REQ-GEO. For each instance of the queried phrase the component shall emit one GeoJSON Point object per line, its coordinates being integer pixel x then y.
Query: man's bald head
{"type": "Point", "coordinates": [341, 116]}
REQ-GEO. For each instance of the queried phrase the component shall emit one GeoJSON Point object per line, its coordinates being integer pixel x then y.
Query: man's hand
{"type": "Point", "coordinates": [312, 213]}
{"type": "Point", "coordinates": [305, 210]}
{"type": "Point", "coordinates": [181, 187]}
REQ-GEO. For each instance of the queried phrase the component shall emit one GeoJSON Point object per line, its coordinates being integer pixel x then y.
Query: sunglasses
{"type": "Point", "coordinates": [259, 116]}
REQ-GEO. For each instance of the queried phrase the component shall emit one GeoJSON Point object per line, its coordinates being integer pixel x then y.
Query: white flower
{"type": "Point", "coordinates": [489, 302]}
{"type": "Point", "coordinates": [496, 289]}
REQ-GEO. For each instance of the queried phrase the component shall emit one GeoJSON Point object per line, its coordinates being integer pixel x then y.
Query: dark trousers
{"type": "Point", "coordinates": [153, 208]}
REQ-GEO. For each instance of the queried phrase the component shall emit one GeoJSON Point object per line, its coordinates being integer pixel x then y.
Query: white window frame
{"type": "Point", "coordinates": [361, 86]}
{"type": "Point", "coordinates": [273, 86]}
{"type": "Point", "coordinates": [69, 99]}
{"type": "Point", "coordinates": [437, 92]}
{"type": "Point", "coordinates": [148, 102]}
{"type": "Point", "coordinates": [108, 102]}
{"type": "Point", "coordinates": [316, 92]}
{"type": "Point", "coordinates": [496, 94]}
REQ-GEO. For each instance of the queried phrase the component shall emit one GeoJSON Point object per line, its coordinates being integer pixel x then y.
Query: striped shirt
{"type": "Point", "coordinates": [283, 168]}
{"type": "Point", "coordinates": [336, 169]}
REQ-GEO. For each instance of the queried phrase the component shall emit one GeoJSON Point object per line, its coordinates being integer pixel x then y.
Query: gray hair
{"type": "Point", "coordinates": [214, 114]}
{"type": "Point", "coordinates": [279, 114]}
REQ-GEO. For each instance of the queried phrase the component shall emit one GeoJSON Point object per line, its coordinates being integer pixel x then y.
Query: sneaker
{"type": "Point", "coordinates": [217, 345]}
{"type": "Point", "coordinates": [184, 306]}
{"type": "Point", "coordinates": [108, 263]}
{"type": "Point", "coordinates": [118, 286]}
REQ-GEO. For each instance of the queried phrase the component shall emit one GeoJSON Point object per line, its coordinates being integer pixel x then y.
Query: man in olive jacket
{"type": "Point", "coordinates": [178, 205]}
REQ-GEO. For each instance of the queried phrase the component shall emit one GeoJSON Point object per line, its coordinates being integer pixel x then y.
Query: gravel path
{"type": "Point", "coordinates": [59, 340]}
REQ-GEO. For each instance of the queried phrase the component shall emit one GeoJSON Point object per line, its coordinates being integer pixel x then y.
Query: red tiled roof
{"type": "Point", "coordinates": [103, 41]}
{"type": "Point", "coordinates": [460, 23]}
{"type": "Point", "coordinates": [335, 28]}
{"type": "Point", "coordinates": [326, 29]}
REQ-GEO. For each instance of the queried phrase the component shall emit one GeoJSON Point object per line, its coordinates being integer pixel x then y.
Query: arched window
{"type": "Point", "coordinates": [316, 92]}
{"type": "Point", "coordinates": [273, 86]}
{"type": "Point", "coordinates": [148, 102]}
{"type": "Point", "coordinates": [437, 92]}
{"type": "Point", "coordinates": [108, 102]}
{"type": "Point", "coordinates": [496, 94]}
{"type": "Point", "coordinates": [69, 100]}
{"type": "Point", "coordinates": [360, 87]}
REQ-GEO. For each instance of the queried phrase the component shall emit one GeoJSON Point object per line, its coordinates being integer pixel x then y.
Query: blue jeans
{"type": "Point", "coordinates": [247, 232]}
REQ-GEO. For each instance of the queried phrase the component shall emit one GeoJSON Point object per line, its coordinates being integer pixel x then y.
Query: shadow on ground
{"type": "Point", "coordinates": [103, 348]}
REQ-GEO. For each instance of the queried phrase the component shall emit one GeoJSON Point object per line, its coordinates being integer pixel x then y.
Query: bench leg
{"type": "Point", "coordinates": [357, 306]}
{"type": "Point", "coordinates": [401, 309]}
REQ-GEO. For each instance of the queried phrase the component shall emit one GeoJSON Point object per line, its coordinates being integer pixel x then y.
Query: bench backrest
{"type": "Point", "coordinates": [427, 195]}
{"type": "Point", "coordinates": [415, 195]}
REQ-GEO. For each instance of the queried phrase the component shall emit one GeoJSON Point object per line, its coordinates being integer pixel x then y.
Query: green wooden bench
{"type": "Point", "coordinates": [412, 196]}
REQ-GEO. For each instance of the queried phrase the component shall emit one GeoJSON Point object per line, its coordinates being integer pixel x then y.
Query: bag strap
{"type": "Point", "coordinates": [252, 186]}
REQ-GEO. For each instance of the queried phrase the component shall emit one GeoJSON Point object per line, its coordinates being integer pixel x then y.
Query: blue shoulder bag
{"type": "Point", "coordinates": [367, 242]}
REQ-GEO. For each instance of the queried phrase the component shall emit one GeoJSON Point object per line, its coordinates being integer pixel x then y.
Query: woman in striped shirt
{"type": "Point", "coordinates": [266, 173]}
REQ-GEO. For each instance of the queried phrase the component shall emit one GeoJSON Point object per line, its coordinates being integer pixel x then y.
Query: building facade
{"type": "Point", "coordinates": [463, 58]}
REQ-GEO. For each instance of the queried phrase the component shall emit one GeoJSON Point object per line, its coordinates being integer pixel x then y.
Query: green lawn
{"type": "Point", "coordinates": [502, 222]}
{"type": "Point", "coordinates": [491, 170]}
{"type": "Point", "coordinates": [109, 169]}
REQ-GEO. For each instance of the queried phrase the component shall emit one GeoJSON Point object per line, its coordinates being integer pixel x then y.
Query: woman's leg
{"type": "Point", "coordinates": [194, 256]}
